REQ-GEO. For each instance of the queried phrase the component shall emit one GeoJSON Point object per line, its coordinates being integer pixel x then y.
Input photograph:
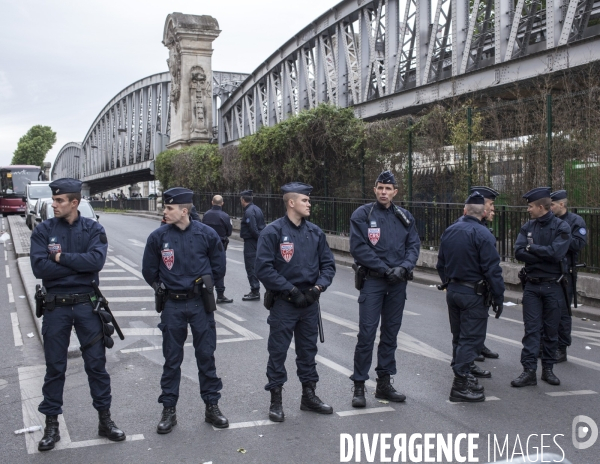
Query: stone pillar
{"type": "Point", "coordinates": [189, 40]}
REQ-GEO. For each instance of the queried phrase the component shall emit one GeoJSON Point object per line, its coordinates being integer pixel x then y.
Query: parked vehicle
{"type": "Point", "coordinates": [37, 210]}
{"type": "Point", "coordinates": [84, 208]}
{"type": "Point", "coordinates": [34, 191]}
{"type": "Point", "coordinates": [13, 183]}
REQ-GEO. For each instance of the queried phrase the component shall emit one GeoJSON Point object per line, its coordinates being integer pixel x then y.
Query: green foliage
{"type": "Point", "coordinates": [196, 168]}
{"type": "Point", "coordinates": [34, 145]}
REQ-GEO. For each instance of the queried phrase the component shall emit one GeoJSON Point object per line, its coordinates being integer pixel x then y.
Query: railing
{"type": "Point", "coordinates": [136, 204]}
{"type": "Point", "coordinates": [333, 216]}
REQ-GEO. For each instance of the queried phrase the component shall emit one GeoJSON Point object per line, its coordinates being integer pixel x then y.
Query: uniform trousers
{"type": "Point", "coordinates": [220, 284]}
{"type": "Point", "coordinates": [378, 300]}
{"type": "Point", "coordinates": [249, 259]}
{"type": "Point", "coordinates": [56, 332]}
{"type": "Point", "coordinates": [542, 306]}
{"type": "Point", "coordinates": [564, 327]}
{"type": "Point", "coordinates": [468, 323]}
{"type": "Point", "coordinates": [174, 326]}
{"type": "Point", "coordinates": [287, 321]}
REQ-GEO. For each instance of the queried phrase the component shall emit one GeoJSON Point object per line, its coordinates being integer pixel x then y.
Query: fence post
{"type": "Point", "coordinates": [549, 136]}
{"type": "Point", "coordinates": [469, 148]}
{"type": "Point", "coordinates": [410, 161]}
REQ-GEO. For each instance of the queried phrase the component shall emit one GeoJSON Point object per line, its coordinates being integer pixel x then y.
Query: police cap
{"type": "Point", "coordinates": [65, 185]}
{"type": "Point", "coordinates": [558, 195]}
{"type": "Point", "coordinates": [246, 193]}
{"type": "Point", "coordinates": [297, 187]}
{"type": "Point", "coordinates": [475, 198]}
{"type": "Point", "coordinates": [537, 194]}
{"type": "Point", "coordinates": [178, 196]}
{"type": "Point", "coordinates": [386, 177]}
{"type": "Point", "coordinates": [487, 192]}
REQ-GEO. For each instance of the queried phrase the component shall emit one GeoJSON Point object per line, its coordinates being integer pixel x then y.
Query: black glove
{"type": "Point", "coordinates": [395, 275]}
{"type": "Point", "coordinates": [497, 308]}
{"type": "Point", "coordinates": [312, 294]}
{"type": "Point", "coordinates": [297, 297]}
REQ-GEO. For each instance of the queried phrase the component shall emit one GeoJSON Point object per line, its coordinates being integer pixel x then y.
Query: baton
{"type": "Point", "coordinates": [320, 323]}
{"type": "Point", "coordinates": [104, 303]}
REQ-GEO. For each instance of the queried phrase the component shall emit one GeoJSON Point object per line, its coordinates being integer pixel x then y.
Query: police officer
{"type": "Point", "coordinates": [67, 253]}
{"type": "Point", "coordinates": [467, 258]}
{"type": "Point", "coordinates": [490, 196]}
{"type": "Point", "coordinates": [220, 221]}
{"type": "Point", "coordinates": [578, 241]}
{"type": "Point", "coordinates": [253, 222]}
{"type": "Point", "coordinates": [383, 241]}
{"type": "Point", "coordinates": [542, 245]}
{"type": "Point", "coordinates": [176, 254]}
{"type": "Point", "coordinates": [194, 216]}
{"type": "Point", "coordinates": [295, 265]}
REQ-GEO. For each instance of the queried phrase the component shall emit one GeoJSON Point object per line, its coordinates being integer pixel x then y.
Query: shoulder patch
{"type": "Point", "coordinates": [582, 231]}
{"type": "Point", "coordinates": [103, 238]}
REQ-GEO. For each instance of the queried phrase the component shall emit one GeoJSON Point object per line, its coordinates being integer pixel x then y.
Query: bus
{"type": "Point", "coordinates": [13, 185]}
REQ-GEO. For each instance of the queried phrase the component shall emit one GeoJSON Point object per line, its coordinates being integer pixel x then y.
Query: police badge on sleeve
{"type": "Point", "coordinates": [53, 246]}
{"type": "Point", "coordinates": [374, 235]}
{"type": "Point", "coordinates": [168, 256]}
{"type": "Point", "coordinates": [286, 249]}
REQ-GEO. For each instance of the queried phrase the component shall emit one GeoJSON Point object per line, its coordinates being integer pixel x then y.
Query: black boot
{"type": "Point", "coordinates": [385, 391]}
{"type": "Point", "coordinates": [107, 428]}
{"type": "Point", "coordinates": [276, 409]}
{"type": "Point", "coordinates": [253, 295]}
{"type": "Point", "coordinates": [548, 376]}
{"type": "Point", "coordinates": [214, 416]}
{"type": "Point", "coordinates": [561, 354]}
{"type": "Point", "coordinates": [526, 379]}
{"type": "Point", "coordinates": [168, 420]}
{"type": "Point", "coordinates": [474, 384]}
{"type": "Point", "coordinates": [489, 353]}
{"type": "Point", "coordinates": [51, 434]}
{"type": "Point", "coordinates": [480, 358]}
{"type": "Point", "coordinates": [479, 372]}
{"type": "Point", "coordinates": [311, 402]}
{"type": "Point", "coordinates": [221, 299]}
{"type": "Point", "coordinates": [461, 393]}
{"type": "Point", "coordinates": [359, 400]}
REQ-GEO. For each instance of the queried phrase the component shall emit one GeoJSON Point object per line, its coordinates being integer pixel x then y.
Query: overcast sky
{"type": "Point", "coordinates": [62, 61]}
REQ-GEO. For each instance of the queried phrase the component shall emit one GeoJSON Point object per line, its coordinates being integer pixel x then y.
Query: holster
{"type": "Point", "coordinates": [40, 300]}
{"type": "Point", "coordinates": [49, 302]}
{"type": "Point", "coordinates": [206, 286]}
{"type": "Point", "coordinates": [225, 242]}
{"type": "Point", "coordinates": [523, 277]}
{"type": "Point", "coordinates": [564, 283]}
{"type": "Point", "coordinates": [360, 273]}
{"type": "Point", "coordinates": [160, 297]}
{"type": "Point", "coordinates": [269, 300]}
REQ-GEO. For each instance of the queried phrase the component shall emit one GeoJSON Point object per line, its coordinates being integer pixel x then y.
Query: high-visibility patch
{"type": "Point", "coordinates": [287, 251]}
{"type": "Point", "coordinates": [374, 235]}
{"type": "Point", "coordinates": [168, 257]}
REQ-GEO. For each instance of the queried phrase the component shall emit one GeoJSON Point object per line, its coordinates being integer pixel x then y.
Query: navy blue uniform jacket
{"type": "Point", "coordinates": [252, 222]}
{"type": "Point", "coordinates": [550, 238]}
{"type": "Point", "coordinates": [178, 257]}
{"type": "Point", "coordinates": [578, 236]}
{"type": "Point", "coordinates": [381, 241]}
{"type": "Point", "coordinates": [468, 253]}
{"type": "Point", "coordinates": [219, 220]}
{"type": "Point", "coordinates": [82, 246]}
{"type": "Point", "coordinates": [288, 256]}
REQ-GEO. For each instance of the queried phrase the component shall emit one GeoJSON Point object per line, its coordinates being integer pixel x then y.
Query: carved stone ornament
{"type": "Point", "coordinates": [174, 63]}
{"type": "Point", "coordinates": [200, 92]}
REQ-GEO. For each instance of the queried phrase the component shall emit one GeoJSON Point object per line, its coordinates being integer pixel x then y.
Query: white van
{"type": "Point", "coordinates": [34, 191]}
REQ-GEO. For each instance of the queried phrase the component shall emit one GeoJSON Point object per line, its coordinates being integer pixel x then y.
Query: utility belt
{"type": "Point", "coordinates": [181, 295]}
{"type": "Point", "coordinates": [203, 287]}
{"type": "Point", "coordinates": [480, 287]}
{"type": "Point", "coordinates": [539, 280]}
{"type": "Point", "coordinates": [271, 296]}
{"type": "Point", "coordinates": [45, 301]}
{"type": "Point", "coordinates": [362, 272]}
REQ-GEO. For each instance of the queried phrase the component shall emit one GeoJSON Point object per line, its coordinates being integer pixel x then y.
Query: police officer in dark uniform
{"type": "Point", "coordinates": [295, 265]}
{"type": "Point", "coordinates": [176, 255]}
{"type": "Point", "coordinates": [67, 253]}
{"type": "Point", "coordinates": [578, 241]}
{"type": "Point", "coordinates": [220, 221]}
{"type": "Point", "coordinates": [490, 196]}
{"type": "Point", "coordinates": [542, 245]}
{"type": "Point", "coordinates": [385, 245]}
{"type": "Point", "coordinates": [252, 223]}
{"type": "Point", "coordinates": [194, 216]}
{"type": "Point", "coordinates": [467, 258]}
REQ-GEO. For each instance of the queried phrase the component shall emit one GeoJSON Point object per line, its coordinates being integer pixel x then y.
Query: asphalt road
{"type": "Point", "coordinates": [518, 419]}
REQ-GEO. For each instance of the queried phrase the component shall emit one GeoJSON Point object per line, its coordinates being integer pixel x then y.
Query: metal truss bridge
{"type": "Point", "coordinates": [388, 57]}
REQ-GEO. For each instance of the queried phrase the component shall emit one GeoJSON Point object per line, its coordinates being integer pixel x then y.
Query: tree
{"type": "Point", "coordinates": [34, 145]}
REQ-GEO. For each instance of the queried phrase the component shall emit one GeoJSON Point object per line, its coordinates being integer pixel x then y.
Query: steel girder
{"type": "Point", "coordinates": [365, 51]}
{"type": "Point", "coordinates": [66, 163]}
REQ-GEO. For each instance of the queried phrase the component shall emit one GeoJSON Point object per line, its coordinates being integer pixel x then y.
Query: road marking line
{"type": "Point", "coordinates": [236, 327]}
{"type": "Point", "coordinates": [121, 278]}
{"type": "Point", "coordinates": [11, 296]}
{"type": "Point", "coordinates": [5, 256]}
{"type": "Point", "coordinates": [487, 398]}
{"type": "Point", "coordinates": [573, 359]}
{"type": "Point", "coordinates": [230, 314]}
{"type": "Point", "coordinates": [234, 261]}
{"type": "Point", "coordinates": [241, 425]}
{"type": "Point", "coordinates": [108, 264]}
{"type": "Point", "coordinates": [7, 272]}
{"type": "Point", "coordinates": [16, 330]}
{"type": "Point", "coordinates": [571, 393]}
{"type": "Point", "coordinates": [127, 261]}
{"type": "Point", "coordinates": [153, 348]}
{"type": "Point", "coordinates": [135, 313]}
{"type": "Point", "coordinates": [99, 441]}
{"type": "Point", "coordinates": [127, 267]}
{"type": "Point", "coordinates": [355, 298]}
{"type": "Point", "coordinates": [112, 270]}
{"type": "Point", "coordinates": [358, 412]}
{"type": "Point", "coordinates": [137, 243]}
{"type": "Point", "coordinates": [129, 299]}
{"type": "Point", "coordinates": [148, 331]}
{"type": "Point", "coordinates": [341, 369]}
